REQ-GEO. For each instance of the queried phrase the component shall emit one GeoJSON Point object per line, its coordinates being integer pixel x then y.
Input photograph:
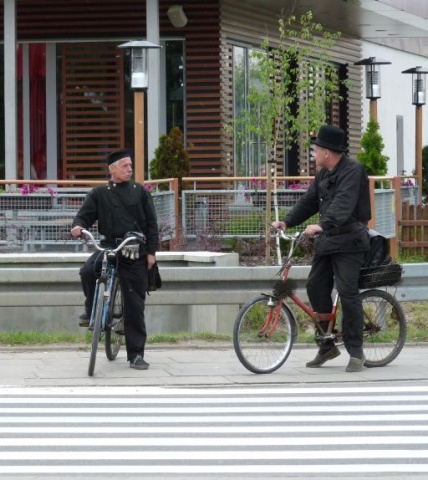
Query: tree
{"type": "Point", "coordinates": [171, 158]}
{"type": "Point", "coordinates": [295, 81]}
{"type": "Point", "coordinates": [372, 145]}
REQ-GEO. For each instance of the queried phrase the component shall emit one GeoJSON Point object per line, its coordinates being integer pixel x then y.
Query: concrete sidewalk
{"type": "Point", "coordinates": [191, 366]}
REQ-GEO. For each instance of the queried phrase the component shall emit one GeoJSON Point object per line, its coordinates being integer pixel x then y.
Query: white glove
{"type": "Point", "coordinates": [131, 251]}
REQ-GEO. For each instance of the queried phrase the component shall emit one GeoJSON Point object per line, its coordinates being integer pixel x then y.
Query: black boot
{"type": "Point", "coordinates": [84, 319]}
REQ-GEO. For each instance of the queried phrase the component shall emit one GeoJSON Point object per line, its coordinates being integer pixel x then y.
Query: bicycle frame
{"type": "Point", "coordinates": [108, 277]}
{"type": "Point", "coordinates": [315, 316]}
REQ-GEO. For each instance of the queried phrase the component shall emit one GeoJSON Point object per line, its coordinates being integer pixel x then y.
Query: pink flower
{"type": "Point", "coordinates": [29, 188]}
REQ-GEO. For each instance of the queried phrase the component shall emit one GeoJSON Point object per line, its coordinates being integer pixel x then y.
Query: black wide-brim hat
{"type": "Point", "coordinates": [331, 138]}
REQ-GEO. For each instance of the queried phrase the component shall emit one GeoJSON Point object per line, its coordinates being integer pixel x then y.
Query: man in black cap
{"type": "Point", "coordinates": [120, 207]}
{"type": "Point", "coordinates": [340, 194]}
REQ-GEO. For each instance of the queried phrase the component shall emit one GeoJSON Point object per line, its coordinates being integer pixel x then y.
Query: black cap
{"type": "Point", "coordinates": [113, 157]}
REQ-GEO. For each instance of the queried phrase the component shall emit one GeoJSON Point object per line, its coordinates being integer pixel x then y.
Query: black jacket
{"type": "Point", "coordinates": [101, 204]}
{"type": "Point", "coordinates": [342, 199]}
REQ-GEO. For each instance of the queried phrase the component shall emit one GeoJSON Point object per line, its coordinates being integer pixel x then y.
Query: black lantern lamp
{"type": "Point", "coordinates": [139, 71]}
{"type": "Point", "coordinates": [372, 65]}
{"type": "Point", "coordinates": [418, 85]}
{"type": "Point", "coordinates": [418, 99]}
{"type": "Point", "coordinates": [139, 83]}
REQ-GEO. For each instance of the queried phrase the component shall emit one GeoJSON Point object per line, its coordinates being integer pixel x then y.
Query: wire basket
{"type": "Point", "coordinates": [387, 274]}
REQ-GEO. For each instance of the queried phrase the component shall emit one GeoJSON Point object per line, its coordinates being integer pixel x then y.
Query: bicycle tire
{"type": "Point", "coordinates": [115, 328]}
{"type": "Point", "coordinates": [96, 327]}
{"type": "Point", "coordinates": [260, 353]}
{"type": "Point", "coordinates": [385, 327]}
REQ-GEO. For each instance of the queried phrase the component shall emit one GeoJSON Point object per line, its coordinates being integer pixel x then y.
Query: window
{"type": "Point", "coordinates": [250, 150]}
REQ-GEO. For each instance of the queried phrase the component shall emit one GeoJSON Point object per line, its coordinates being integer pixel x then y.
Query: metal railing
{"type": "Point", "coordinates": [36, 217]}
{"type": "Point", "coordinates": [230, 207]}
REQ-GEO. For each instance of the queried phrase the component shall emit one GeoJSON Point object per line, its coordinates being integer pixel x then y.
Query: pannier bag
{"type": "Point", "coordinates": [379, 268]}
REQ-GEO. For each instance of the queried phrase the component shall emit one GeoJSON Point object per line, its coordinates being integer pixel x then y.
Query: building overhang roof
{"type": "Point", "coordinates": [367, 19]}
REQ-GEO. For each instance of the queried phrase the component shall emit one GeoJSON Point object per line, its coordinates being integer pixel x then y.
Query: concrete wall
{"type": "Point", "coordinates": [200, 292]}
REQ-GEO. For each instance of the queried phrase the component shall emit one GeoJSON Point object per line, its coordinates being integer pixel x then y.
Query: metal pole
{"type": "Point", "coordinates": [418, 151]}
{"type": "Point", "coordinates": [10, 91]}
{"type": "Point", "coordinates": [373, 109]}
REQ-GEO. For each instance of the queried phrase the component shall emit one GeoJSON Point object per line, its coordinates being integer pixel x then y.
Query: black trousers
{"type": "Point", "coordinates": [344, 269]}
{"type": "Point", "coordinates": [133, 279]}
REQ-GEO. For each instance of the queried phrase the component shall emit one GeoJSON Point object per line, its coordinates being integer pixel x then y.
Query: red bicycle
{"type": "Point", "coordinates": [266, 327]}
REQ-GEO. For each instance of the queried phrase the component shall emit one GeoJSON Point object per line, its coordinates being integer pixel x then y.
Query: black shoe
{"type": "Point", "coordinates": [355, 364]}
{"type": "Point", "coordinates": [320, 359]}
{"type": "Point", "coordinates": [84, 320]}
{"type": "Point", "coordinates": [139, 363]}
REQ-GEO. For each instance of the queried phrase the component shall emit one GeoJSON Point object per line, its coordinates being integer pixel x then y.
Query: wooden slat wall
{"type": "Point", "coordinates": [212, 27]}
{"type": "Point", "coordinates": [251, 27]}
{"type": "Point", "coordinates": [79, 19]}
{"type": "Point", "coordinates": [92, 108]}
{"type": "Point", "coordinates": [97, 19]}
{"type": "Point", "coordinates": [202, 73]}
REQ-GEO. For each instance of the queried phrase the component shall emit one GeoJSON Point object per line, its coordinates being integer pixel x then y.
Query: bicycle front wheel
{"type": "Point", "coordinates": [96, 327]}
{"type": "Point", "coordinates": [262, 339]}
{"type": "Point", "coordinates": [115, 328]}
{"type": "Point", "coordinates": [385, 327]}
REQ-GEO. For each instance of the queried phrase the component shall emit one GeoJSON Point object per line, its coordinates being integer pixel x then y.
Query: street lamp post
{"type": "Point", "coordinates": [372, 66]}
{"type": "Point", "coordinates": [418, 99]}
{"type": "Point", "coordinates": [139, 83]}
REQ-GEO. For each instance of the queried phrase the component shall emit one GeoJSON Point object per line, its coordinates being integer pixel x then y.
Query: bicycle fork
{"type": "Point", "coordinates": [271, 321]}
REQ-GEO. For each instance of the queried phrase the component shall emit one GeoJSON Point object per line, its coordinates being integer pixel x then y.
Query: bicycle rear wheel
{"type": "Point", "coordinates": [96, 327]}
{"type": "Point", "coordinates": [115, 328]}
{"type": "Point", "coordinates": [385, 327]}
{"type": "Point", "coordinates": [259, 345]}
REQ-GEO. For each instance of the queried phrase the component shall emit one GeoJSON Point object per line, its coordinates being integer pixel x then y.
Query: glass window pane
{"type": "Point", "coordinates": [174, 84]}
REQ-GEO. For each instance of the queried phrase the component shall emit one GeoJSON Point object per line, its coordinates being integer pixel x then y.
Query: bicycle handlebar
{"type": "Point", "coordinates": [127, 240]}
{"type": "Point", "coordinates": [288, 236]}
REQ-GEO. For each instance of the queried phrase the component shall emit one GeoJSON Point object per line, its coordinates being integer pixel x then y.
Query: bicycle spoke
{"type": "Point", "coordinates": [384, 327]}
{"type": "Point", "coordinates": [263, 339]}
{"type": "Point", "coordinates": [115, 329]}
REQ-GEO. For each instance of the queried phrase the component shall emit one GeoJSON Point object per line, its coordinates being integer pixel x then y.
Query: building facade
{"type": "Point", "coordinates": [67, 99]}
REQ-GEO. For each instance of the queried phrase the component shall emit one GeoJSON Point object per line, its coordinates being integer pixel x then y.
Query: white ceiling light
{"type": "Point", "coordinates": [177, 16]}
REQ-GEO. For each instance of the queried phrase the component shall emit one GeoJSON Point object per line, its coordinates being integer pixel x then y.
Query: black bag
{"type": "Point", "coordinates": [378, 252]}
{"type": "Point", "coordinates": [154, 279]}
{"type": "Point", "coordinates": [379, 269]}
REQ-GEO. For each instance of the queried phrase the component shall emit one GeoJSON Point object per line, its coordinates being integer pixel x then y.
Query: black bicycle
{"type": "Point", "coordinates": [107, 311]}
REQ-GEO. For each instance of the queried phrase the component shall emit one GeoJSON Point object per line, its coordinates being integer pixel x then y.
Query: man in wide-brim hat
{"type": "Point", "coordinates": [340, 194]}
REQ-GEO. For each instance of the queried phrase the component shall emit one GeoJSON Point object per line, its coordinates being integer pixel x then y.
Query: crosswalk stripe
{"type": "Point", "coordinates": [209, 442]}
{"type": "Point", "coordinates": [219, 431]}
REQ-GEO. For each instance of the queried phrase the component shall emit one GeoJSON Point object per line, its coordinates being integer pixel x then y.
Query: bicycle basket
{"type": "Point", "coordinates": [387, 274]}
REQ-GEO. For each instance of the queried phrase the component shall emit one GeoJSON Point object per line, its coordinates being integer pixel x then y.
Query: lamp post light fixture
{"type": "Point", "coordinates": [139, 83]}
{"type": "Point", "coordinates": [373, 92]}
{"type": "Point", "coordinates": [418, 99]}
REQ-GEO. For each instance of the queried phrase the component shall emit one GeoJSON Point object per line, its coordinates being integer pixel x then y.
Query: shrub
{"type": "Point", "coordinates": [171, 158]}
{"type": "Point", "coordinates": [371, 155]}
